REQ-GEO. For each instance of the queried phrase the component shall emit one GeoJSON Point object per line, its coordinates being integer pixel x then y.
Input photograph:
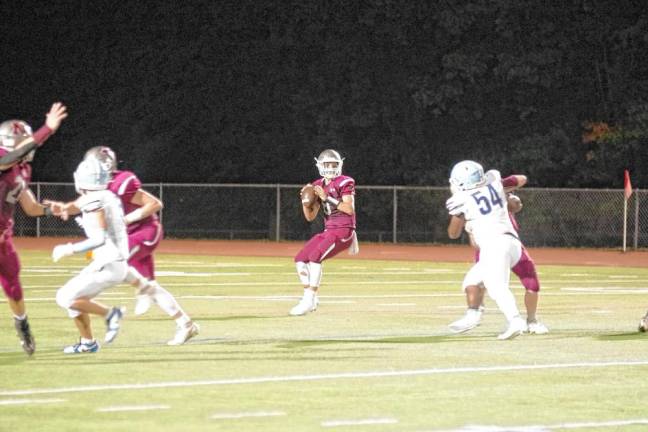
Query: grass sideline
{"type": "Point", "coordinates": [376, 356]}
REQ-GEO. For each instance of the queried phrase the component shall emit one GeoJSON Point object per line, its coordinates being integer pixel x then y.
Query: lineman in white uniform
{"type": "Point", "coordinates": [479, 204]}
{"type": "Point", "coordinates": [103, 223]}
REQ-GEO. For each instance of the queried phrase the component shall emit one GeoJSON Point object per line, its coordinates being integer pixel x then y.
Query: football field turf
{"type": "Point", "coordinates": [375, 356]}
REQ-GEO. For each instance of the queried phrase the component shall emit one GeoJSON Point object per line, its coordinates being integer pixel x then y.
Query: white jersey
{"type": "Point", "coordinates": [486, 211]}
{"type": "Point", "coordinates": [116, 246]}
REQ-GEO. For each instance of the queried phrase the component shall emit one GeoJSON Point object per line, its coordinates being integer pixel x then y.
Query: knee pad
{"type": "Point", "coordinates": [64, 300]}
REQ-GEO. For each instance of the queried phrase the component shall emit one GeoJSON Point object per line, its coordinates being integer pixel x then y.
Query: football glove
{"type": "Point", "coordinates": [61, 251]}
{"type": "Point", "coordinates": [454, 204]}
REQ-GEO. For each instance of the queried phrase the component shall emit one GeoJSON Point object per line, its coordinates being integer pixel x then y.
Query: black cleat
{"type": "Point", "coordinates": [26, 338]}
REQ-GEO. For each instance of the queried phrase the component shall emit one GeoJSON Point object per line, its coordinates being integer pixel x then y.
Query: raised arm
{"type": "Point", "coordinates": [56, 114]}
{"type": "Point", "coordinates": [513, 182]}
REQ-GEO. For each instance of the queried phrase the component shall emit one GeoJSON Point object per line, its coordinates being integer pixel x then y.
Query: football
{"type": "Point", "coordinates": [308, 196]}
{"type": "Point", "coordinates": [514, 203]}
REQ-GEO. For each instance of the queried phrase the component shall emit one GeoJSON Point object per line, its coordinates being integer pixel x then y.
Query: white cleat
{"type": "Point", "coordinates": [183, 334]}
{"type": "Point", "coordinates": [467, 322]}
{"type": "Point", "coordinates": [537, 328]}
{"type": "Point", "coordinates": [113, 323]}
{"type": "Point", "coordinates": [643, 324]}
{"type": "Point", "coordinates": [516, 327]}
{"type": "Point", "coordinates": [143, 304]}
{"type": "Point", "coordinates": [304, 306]}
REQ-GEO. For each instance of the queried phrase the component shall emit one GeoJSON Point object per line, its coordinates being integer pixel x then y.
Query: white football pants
{"type": "Point", "coordinates": [90, 283]}
{"type": "Point", "coordinates": [496, 258]}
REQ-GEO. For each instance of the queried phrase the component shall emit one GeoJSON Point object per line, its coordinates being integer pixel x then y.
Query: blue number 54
{"type": "Point", "coordinates": [486, 205]}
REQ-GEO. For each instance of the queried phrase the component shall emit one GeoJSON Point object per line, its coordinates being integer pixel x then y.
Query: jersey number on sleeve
{"type": "Point", "coordinates": [485, 204]}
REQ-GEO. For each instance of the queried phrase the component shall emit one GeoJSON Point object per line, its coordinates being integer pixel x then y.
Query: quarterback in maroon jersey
{"type": "Point", "coordinates": [17, 147]}
{"type": "Point", "coordinates": [144, 235]}
{"type": "Point", "coordinates": [336, 193]}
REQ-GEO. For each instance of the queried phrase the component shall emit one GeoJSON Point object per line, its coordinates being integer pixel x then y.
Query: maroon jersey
{"type": "Point", "coordinates": [125, 184]}
{"type": "Point", "coordinates": [337, 188]}
{"type": "Point", "coordinates": [12, 182]}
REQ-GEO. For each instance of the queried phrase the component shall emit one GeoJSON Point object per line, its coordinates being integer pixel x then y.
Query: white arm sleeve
{"type": "Point", "coordinates": [97, 238]}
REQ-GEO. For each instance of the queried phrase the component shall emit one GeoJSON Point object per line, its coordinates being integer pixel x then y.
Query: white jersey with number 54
{"type": "Point", "coordinates": [485, 209]}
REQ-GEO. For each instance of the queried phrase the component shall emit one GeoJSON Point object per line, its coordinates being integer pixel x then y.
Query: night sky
{"type": "Point", "coordinates": [250, 91]}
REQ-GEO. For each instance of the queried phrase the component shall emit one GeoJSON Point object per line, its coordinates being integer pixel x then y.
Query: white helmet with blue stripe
{"type": "Point", "coordinates": [466, 175]}
{"type": "Point", "coordinates": [91, 175]}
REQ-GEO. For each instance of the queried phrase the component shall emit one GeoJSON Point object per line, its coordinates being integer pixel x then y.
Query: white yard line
{"type": "Point", "coordinates": [565, 293]}
{"type": "Point", "coordinates": [227, 416]}
{"type": "Point", "coordinates": [369, 421]}
{"type": "Point", "coordinates": [214, 265]}
{"type": "Point", "coordinates": [29, 401]}
{"type": "Point", "coordinates": [132, 408]}
{"type": "Point", "coordinates": [187, 274]}
{"type": "Point", "coordinates": [544, 428]}
{"type": "Point", "coordinates": [394, 304]}
{"type": "Point", "coordinates": [320, 377]}
{"type": "Point", "coordinates": [607, 290]}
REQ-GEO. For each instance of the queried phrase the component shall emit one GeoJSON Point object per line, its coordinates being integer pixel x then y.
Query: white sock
{"type": "Point", "coordinates": [474, 313]}
{"type": "Point", "coordinates": [302, 272]}
{"type": "Point", "coordinates": [309, 294]}
{"type": "Point", "coordinates": [314, 274]}
{"type": "Point", "coordinates": [86, 341]}
{"type": "Point", "coordinates": [183, 320]}
{"type": "Point", "coordinates": [165, 300]}
{"type": "Point", "coordinates": [21, 317]}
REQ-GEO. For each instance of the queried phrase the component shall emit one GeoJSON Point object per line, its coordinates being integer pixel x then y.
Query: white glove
{"type": "Point", "coordinates": [454, 204]}
{"type": "Point", "coordinates": [61, 251]}
{"type": "Point", "coordinates": [79, 221]}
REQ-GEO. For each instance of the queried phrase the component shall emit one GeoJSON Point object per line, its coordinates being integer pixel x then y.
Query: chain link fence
{"type": "Point", "coordinates": [398, 214]}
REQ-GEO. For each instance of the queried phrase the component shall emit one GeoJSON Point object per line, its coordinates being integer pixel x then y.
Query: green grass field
{"type": "Point", "coordinates": [376, 356]}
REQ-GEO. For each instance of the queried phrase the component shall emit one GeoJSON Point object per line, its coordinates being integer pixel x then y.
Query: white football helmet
{"type": "Point", "coordinates": [329, 156]}
{"type": "Point", "coordinates": [103, 154]}
{"type": "Point", "coordinates": [466, 175]}
{"type": "Point", "coordinates": [91, 175]}
{"type": "Point", "coordinates": [13, 132]}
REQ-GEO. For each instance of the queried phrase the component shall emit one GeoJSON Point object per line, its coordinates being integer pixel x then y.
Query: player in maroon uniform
{"type": "Point", "coordinates": [144, 235]}
{"type": "Point", "coordinates": [17, 146]}
{"type": "Point", "coordinates": [336, 194]}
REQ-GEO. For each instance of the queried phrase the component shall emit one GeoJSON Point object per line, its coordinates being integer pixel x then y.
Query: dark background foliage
{"type": "Point", "coordinates": [250, 91]}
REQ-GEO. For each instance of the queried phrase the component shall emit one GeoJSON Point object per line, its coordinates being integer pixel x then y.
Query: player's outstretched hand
{"type": "Point", "coordinates": [56, 114]}
{"type": "Point", "coordinates": [61, 251]}
{"type": "Point", "coordinates": [58, 208]}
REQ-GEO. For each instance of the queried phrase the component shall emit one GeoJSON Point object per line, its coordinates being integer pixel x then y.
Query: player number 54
{"type": "Point", "coordinates": [485, 204]}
